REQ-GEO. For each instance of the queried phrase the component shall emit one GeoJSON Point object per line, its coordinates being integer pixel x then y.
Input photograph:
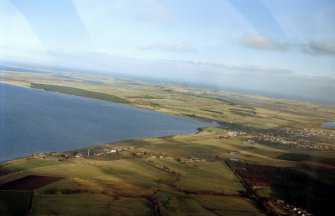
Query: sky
{"type": "Point", "coordinates": [281, 46]}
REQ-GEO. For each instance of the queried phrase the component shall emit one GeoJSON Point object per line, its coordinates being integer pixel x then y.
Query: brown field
{"type": "Point", "coordinates": [296, 185]}
{"type": "Point", "coordinates": [279, 156]}
{"type": "Point", "coordinates": [30, 182]}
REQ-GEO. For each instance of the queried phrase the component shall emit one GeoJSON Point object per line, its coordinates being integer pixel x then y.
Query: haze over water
{"type": "Point", "coordinates": [33, 121]}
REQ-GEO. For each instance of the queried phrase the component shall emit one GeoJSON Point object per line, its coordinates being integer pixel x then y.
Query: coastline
{"type": "Point", "coordinates": [205, 124]}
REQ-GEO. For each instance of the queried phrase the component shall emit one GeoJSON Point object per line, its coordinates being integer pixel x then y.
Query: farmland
{"type": "Point", "coordinates": [251, 163]}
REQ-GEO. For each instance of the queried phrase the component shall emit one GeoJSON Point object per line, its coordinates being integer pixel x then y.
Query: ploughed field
{"type": "Point", "coordinates": [29, 183]}
{"type": "Point", "coordinates": [16, 196]}
{"type": "Point", "coordinates": [266, 156]}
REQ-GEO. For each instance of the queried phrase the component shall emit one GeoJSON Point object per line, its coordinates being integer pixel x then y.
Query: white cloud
{"type": "Point", "coordinates": [320, 48]}
{"type": "Point", "coordinates": [312, 47]}
{"type": "Point", "coordinates": [262, 43]}
{"type": "Point", "coordinates": [247, 69]}
{"type": "Point", "coordinates": [182, 47]}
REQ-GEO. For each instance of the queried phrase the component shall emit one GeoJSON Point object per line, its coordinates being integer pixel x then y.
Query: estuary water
{"type": "Point", "coordinates": [328, 125]}
{"type": "Point", "coordinates": [33, 121]}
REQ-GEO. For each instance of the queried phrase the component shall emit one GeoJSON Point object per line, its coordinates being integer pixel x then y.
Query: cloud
{"type": "Point", "coordinates": [248, 69]}
{"type": "Point", "coordinates": [319, 48]}
{"type": "Point", "coordinates": [262, 70]}
{"type": "Point", "coordinates": [129, 10]}
{"type": "Point", "coordinates": [261, 42]}
{"type": "Point", "coordinates": [183, 47]}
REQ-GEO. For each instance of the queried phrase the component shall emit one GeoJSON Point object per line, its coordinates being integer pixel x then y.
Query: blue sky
{"type": "Point", "coordinates": [207, 40]}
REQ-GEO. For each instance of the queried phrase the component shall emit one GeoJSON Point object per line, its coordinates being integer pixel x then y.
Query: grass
{"type": "Point", "coordinates": [25, 164]}
{"type": "Point", "coordinates": [211, 176]}
{"type": "Point", "coordinates": [112, 186]}
{"type": "Point", "coordinates": [88, 204]}
{"type": "Point", "coordinates": [127, 176]}
{"type": "Point", "coordinates": [242, 109]}
{"type": "Point", "coordinates": [135, 177]}
{"type": "Point", "coordinates": [206, 143]}
{"type": "Point", "coordinates": [173, 203]}
{"type": "Point", "coordinates": [230, 205]}
{"type": "Point", "coordinates": [204, 176]}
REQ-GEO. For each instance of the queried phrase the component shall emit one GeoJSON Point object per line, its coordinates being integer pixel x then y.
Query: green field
{"type": "Point", "coordinates": [181, 174]}
{"type": "Point", "coordinates": [79, 92]}
{"type": "Point", "coordinates": [89, 204]}
{"type": "Point", "coordinates": [24, 164]}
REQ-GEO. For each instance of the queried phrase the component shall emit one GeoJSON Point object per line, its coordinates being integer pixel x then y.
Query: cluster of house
{"type": "Point", "coordinates": [293, 210]}
{"type": "Point", "coordinates": [313, 132]}
{"type": "Point", "coordinates": [191, 159]}
{"type": "Point", "coordinates": [95, 152]}
{"type": "Point", "coordinates": [256, 187]}
{"type": "Point", "coordinates": [229, 134]}
{"type": "Point", "coordinates": [301, 139]}
{"type": "Point", "coordinates": [118, 149]}
{"type": "Point", "coordinates": [298, 144]}
{"type": "Point", "coordinates": [78, 155]}
{"type": "Point", "coordinates": [300, 212]}
{"type": "Point", "coordinates": [157, 156]}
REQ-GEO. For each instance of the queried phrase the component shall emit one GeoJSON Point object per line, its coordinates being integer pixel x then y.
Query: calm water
{"type": "Point", "coordinates": [328, 124]}
{"type": "Point", "coordinates": [33, 121]}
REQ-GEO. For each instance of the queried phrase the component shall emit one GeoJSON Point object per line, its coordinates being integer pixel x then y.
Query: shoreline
{"type": "Point", "coordinates": [209, 123]}
{"type": "Point", "coordinates": [2, 163]}
{"type": "Point", "coordinates": [195, 118]}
